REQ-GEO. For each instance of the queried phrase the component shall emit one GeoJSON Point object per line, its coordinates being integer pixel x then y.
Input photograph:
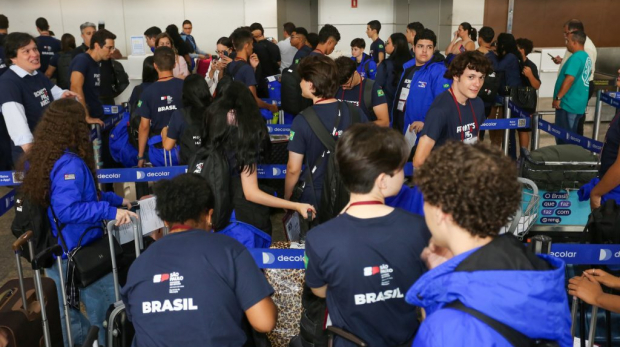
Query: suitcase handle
{"type": "Point", "coordinates": [526, 155]}
{"type": "Point", "coordinates": [39, 259]}
{"type": "Point", "coordinates": [22, 240]}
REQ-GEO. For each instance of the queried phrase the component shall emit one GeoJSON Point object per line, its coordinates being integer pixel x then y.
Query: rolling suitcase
{"type": "Point", "coordinates": [22, 317]}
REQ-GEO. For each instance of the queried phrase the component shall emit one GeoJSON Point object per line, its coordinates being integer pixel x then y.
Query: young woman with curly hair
{"type": "Point", "coordinates": [60, 175]}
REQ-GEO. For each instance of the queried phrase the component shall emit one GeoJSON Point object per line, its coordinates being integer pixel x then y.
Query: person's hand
{"type": "Point", "coordinates": [456, 35]}
{"type": "Point", "coordinates": [254, 60]}
{"type": "Point", "coordinates": [4, 338]}
{"type": "Point", "coordinates": [225, 60]}
{"type": "Point", "coordinates": [417, 126]}
{"type": "Point", "coordinates": [556, 104]}
{"type": "Point", "coordinates": [273, 39]}
{"type": "Point", "coordinates": [273, 108]}
{"type": "Point", "coordinates": [69, 94]}
{"type": "Point", "coordinates": [126, 203]}
{"type": "Point", "coordinates": [557, 59]}
{"type": "Point", "coordinates": [124, 216]}
{"type": "Point", "coordinates": [91, 120]}
{"type": "Point", "coordinates": [585, 288]}
{"type": "Point", "coordinates": [527, 71]}
{"type": "Point", "coordinates": [434, 255]}
{"type": "Point", "coordinates": [141, 163]}
{"type": "Point", "coordinates": [202, 56]}
{"type": "Point", "coordinates": [595, 202]}
{"type": "Point", "coordinates": [604, 278]}
{"type": "Point", "coordinates": [304, 208]}
{"type": "Point", "coordinates": [164, 132]}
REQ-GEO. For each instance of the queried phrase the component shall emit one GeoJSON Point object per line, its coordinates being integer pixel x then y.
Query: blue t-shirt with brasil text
{"type": "Point", "coordinates": [159, 100]}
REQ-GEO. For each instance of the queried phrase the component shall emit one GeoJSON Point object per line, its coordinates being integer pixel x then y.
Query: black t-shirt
{"type": "Point", "coordinates": [355, 96]}
{"type": "Point", "coordinates": [612, 142]}
{"type": "Point", "coordinates": [107, 79]}
{"type": "Point", "coordinates": [192, 288]}
{"type": "Point", "coordinates": [368, 265]}
{"type": "Point", "coordinates": [301, 53]}
{"type": "Point", "coordinates": [378, 46]}
{"type": "Point", "coordinates": [78, 50]}
{"type": "Point", "coordinates": [3, 66]}
{"type": "Point", "coordinates": [531, 65]}
{"type": "Point", "coordinates": [47, 46]}
{"type": "Point", "coordinates": [160, 100]}
{"type": "Point", "coordinates": [89, 68]}
{"type": "Point", "coordinates": [269, 56]}
{"type": "Point", "coordinates": [443, 123]}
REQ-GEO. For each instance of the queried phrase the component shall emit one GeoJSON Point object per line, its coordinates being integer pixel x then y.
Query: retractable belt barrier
{"type": "Point", "coordinates": [115, 112]}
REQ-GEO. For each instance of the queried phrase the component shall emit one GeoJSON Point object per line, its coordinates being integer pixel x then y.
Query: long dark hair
{"type": "Point", "coordinates": [173, 31]}
{"type": "Point", "coordinates": [149, 74]}
{"type": "Point", "coordinates": [67, 43]}
{"type": "Point", "coordinates": [62, 127]}
{"type": "Point", "coordinates": [196, 97]}
{"type": "Point", "coordinates": [400, 55]}
{"type": "Point", "coordinates": [507, 44]}
{"type": "Point", "coordinates": [248, 136]}
{"type": "Point", "coordinates": [471, 31]}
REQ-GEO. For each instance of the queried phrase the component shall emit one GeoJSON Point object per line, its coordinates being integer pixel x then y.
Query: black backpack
{"type": "Point", "coordinates": [191, 139]}
{"type": "Point", "coordinates": [334, 196]}
{"type": "Point", "coordinates": [292, 101]}
{"type": "Point", "coordinates": [213, 166]}
{"type": "Point", "coordinates": [63, 79]}
{"type": "Point", "coordinates": [228, 76]}
{"type": "Point", "coordinates": [490, 87]}
{"type": "Point", "coordinates": [603, 224]}
{"type": "Point", "coordinates": [31, 216]}
{"type": "Point", "coordinates": [121, 79]}
{"type": "Point", "coordinates": [368, 99]}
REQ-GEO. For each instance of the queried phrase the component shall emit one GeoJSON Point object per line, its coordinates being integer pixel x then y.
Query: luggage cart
{"type": "Point", "coordinates": [527, 213]}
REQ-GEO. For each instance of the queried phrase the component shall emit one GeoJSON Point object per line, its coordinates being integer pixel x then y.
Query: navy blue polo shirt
{"type": "Point", "coordinates": [89, 68]}
{"type": "Point", "coordinates": [378, 46]}
{"type": "Point", "coordinates": [48, 46]}
{"type": "Point", "coordinates": [355, 96]}
{"type": "Point", "coordinates": [244, 74]}
{"type": "Point", "coordinates": [368, 265]}
{"type": "Point", "coordinates": [192, 288]}
{"type": "Point", "coordinates": [301, 53]}
{"type": "Point", "coordinates": [160, 100]}
{"type": "Point", "coordinates": [612, 144]}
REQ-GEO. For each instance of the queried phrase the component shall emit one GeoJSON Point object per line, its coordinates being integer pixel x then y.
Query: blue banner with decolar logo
{"type": "Point", "coordinates": [268, 258]}
{"type": "Point", "coordinates": [7, 202]}
{"type": "Point", "coordinates": [505, 123]}
{"type": "Point", "coordinates": [608, 99]}
{"type": "Point", "coordinates": [587, 143]}
{"type": "Point", "coordinates": [279, 129]}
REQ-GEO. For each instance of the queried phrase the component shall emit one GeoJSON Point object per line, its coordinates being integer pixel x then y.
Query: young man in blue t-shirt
{"type": "Point", "coordinates": [364, 63]}
{"type": "Point", "coordinates": [353, 90]}
{"type": "Point", "coordinates": [159, 101]}
{"type": "Point", "coordinates": [457, 113]}
{"type": "Point", "coordinates": [195, 287]}
{"type": "Point", "coordinates": [377, 47]}
{"type": "Point", "coordinates": [570, 95]}
{"type": "Point", "coordinates": [24, 91]}
{"type": "Point", "coordinates": [47, 45]}
{"type": "Point", "coordinates": [364, 260]}
{"type": "Point", "coordinates": [299, 41]}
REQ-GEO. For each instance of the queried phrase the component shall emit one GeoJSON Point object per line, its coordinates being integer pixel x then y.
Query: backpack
{"type": "Point", "coordinates": [334, 196]}
{"type": "Point", "coordinates": [368, 99]}
{"type": "Point", "coordinates": [213, 166]}
{"type": "Point", "coordinates": [191, 139]}
{"type": "Point", "coordinates": [228, 77]}
{"type": "Point", "coordinates": [63, 79]}
{"type": "Point", "coordinates": [292, 101]}
{"type": "Point", "coordinates": [120, 149]}
{"type": "Point", "coordinates": [30, 216]}
{"type": "Point", "coordinates": [134, 119]}
{"type": "Point", "coordinates": [603, 224]}
{"type": "Point", "coordinates": [121, 79]}
{"type": "Point", "coordinates": [490, 87]}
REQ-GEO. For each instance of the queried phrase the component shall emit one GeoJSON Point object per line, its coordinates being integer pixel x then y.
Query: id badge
{"type": "Point", "coordinates": [404, 93]}
{"type": "Point", "coordinates": [401, 105]}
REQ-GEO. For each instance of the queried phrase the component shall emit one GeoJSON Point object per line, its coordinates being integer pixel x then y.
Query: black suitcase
{"type": "Point", "coordinates": [24, 324]}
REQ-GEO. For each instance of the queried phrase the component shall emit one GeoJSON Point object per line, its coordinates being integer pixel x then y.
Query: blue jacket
{"type": "Point", "coordinates": [426, 84]}
{"type": "Point", "coordinates": [532, 302]}
{"type": "Point", "coordinates": [73, 196]}
{"type": "Point", "coordinates": [248, 235]}
{"type": "Point", "coordinates": [409, 199]}
{"type": "Point", "coordinates": [367, 65]}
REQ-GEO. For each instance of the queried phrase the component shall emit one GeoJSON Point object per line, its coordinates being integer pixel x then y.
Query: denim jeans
{"type": "Point", "coordinates": [568, 121]}
{"type": "Point", "coordinates": [97, 297]}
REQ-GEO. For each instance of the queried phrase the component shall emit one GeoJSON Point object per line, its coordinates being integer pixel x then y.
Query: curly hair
{"type": "Point", "coordinates": [477, 185]}
{"type": "Point", "coordinates": [185, 197]}
{"type": "Point", "coordinates": [473, 60]}
{"type": "Point", "coordinates": [62, 127]}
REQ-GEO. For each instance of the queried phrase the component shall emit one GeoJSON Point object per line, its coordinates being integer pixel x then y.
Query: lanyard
{"type": "Point", "coordinates": [180, 227]}
{"type": "Point", "coordinates": [458, 108]}
{"type": "Point", "coordinates": [362, 203]}
{"type": "Point", "coordinates": [318, 50]}
{"type": "Point", "coordinates": [322, 100]}
{"type": "Point", "coordinates": [359, 98]}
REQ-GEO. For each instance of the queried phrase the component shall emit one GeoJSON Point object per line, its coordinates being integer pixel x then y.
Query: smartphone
{"type": "Point", "coordinates": [225, 53]}
{"type": "Point", "coordinates": [549, 54]}
{"type": "Point", "coordinates": [215, 57]}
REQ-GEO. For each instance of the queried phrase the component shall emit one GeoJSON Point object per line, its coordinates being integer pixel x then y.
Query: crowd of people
{"type": "Point", "coordinates": [397, 265]}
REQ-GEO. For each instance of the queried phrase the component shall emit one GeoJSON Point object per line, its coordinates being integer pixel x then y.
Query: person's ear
{"type": "Point", "coordinates": [382, 181]}
{"type": "Point", "coordinates": [210, 219]}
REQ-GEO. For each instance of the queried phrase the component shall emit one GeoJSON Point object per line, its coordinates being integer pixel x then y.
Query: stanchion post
{"type": "Point", "coordinates": [535, 132]}
{"type": "Point", "coordinates": [597, 116]}
{"type": "Point", "coordinates": [507, 114]}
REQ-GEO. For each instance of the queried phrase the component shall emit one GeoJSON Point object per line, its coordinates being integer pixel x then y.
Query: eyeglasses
{"type": "Point", "coordinates": [569, 33]}
{"type": "Point", "coordinates": [109, 48]}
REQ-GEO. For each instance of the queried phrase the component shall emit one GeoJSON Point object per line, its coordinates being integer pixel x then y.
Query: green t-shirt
{"type": "Point", "coordinates": [579, 65]}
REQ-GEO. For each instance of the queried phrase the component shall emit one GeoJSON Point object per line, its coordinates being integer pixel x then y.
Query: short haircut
{"type": "Point", "coordinates": [187, 21]}
{"type": "Point", "coordinates": [13, 42]}
{"type": "Point", "coordinates": [425, 34]}
{"type": "Point", "coordinates": [366, 151]}
{"type": "Point", "coordinates": [473, 60]}
{"type": "Point", "coordinates": [375, 25]}
{"type": "Point", "coordinates": [346, 69]}
{"type": "Point", "coordinates": [185, 197]}
{"type": "Point", "coordinates": [486, 34]}
{"type": "Point", "coordinates": [225, 41]}
{"type": "Point", "coordinates": [257, 26]}
{"type": "Point", "coordinates": [574, 24]}
{"type": "Point", "coordinates": [313, 39]}
{"type": "Point", "coordinates": [328, 31]}
{"type": "Point", "coordinates": [322, 72]}
{"type": "Point", "coordinates": [301, 31]}
{"type": "Point", "coordinates": [87, 25]}
{"type": "Point", "coordinates": [100, 36]}
{"type": "Point", "coordinates": [240, 37]}
{"type": "Point", "coordinates": [578, 36]}
{"type": "Point", "coordinates": [42, 24]}
{"type": "Point", "coordinates": [486, 193]}
{"type": "Point", "coordinates": [152, 32]}
{"type": "Point", "coordinates": [164, 58]}
{"type": "Point", "coordinates": [359, 43]}
{"type": "Point", "coordinates": [415, 26]}
{"type": "Point", "coordinates": [288, 27]}
{"type": "Point", "coordinates": [4, 22]}
{"type": "Point", "coordinates": [526, 45]}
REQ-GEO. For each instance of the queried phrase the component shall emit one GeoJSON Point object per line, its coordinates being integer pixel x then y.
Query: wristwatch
{"type": "Point", "coordinates": [557, 98]}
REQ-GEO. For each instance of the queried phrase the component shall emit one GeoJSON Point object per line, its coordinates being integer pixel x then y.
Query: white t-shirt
{"type": "Point", "coordinates": [287, 53]}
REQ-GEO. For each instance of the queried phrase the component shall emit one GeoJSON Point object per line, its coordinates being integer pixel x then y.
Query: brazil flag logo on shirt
{"type": "Point", "coordinates": [380, 92]}
{"type": "Point", "coordinates": [292, 135]}
{"type": "Point", "coordinates": [139, 103]}
{"type": "Point", "coordinates": [446, 86]}
{"type": "Point", "coordinates": [380, 46]}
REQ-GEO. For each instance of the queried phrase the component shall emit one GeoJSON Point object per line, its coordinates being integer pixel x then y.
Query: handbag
{"type": "Point", "coordinates": [524, 97]}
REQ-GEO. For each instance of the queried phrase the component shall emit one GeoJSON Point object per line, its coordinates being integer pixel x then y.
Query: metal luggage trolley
{"type": "Point", "coordinates": [525, 217]}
